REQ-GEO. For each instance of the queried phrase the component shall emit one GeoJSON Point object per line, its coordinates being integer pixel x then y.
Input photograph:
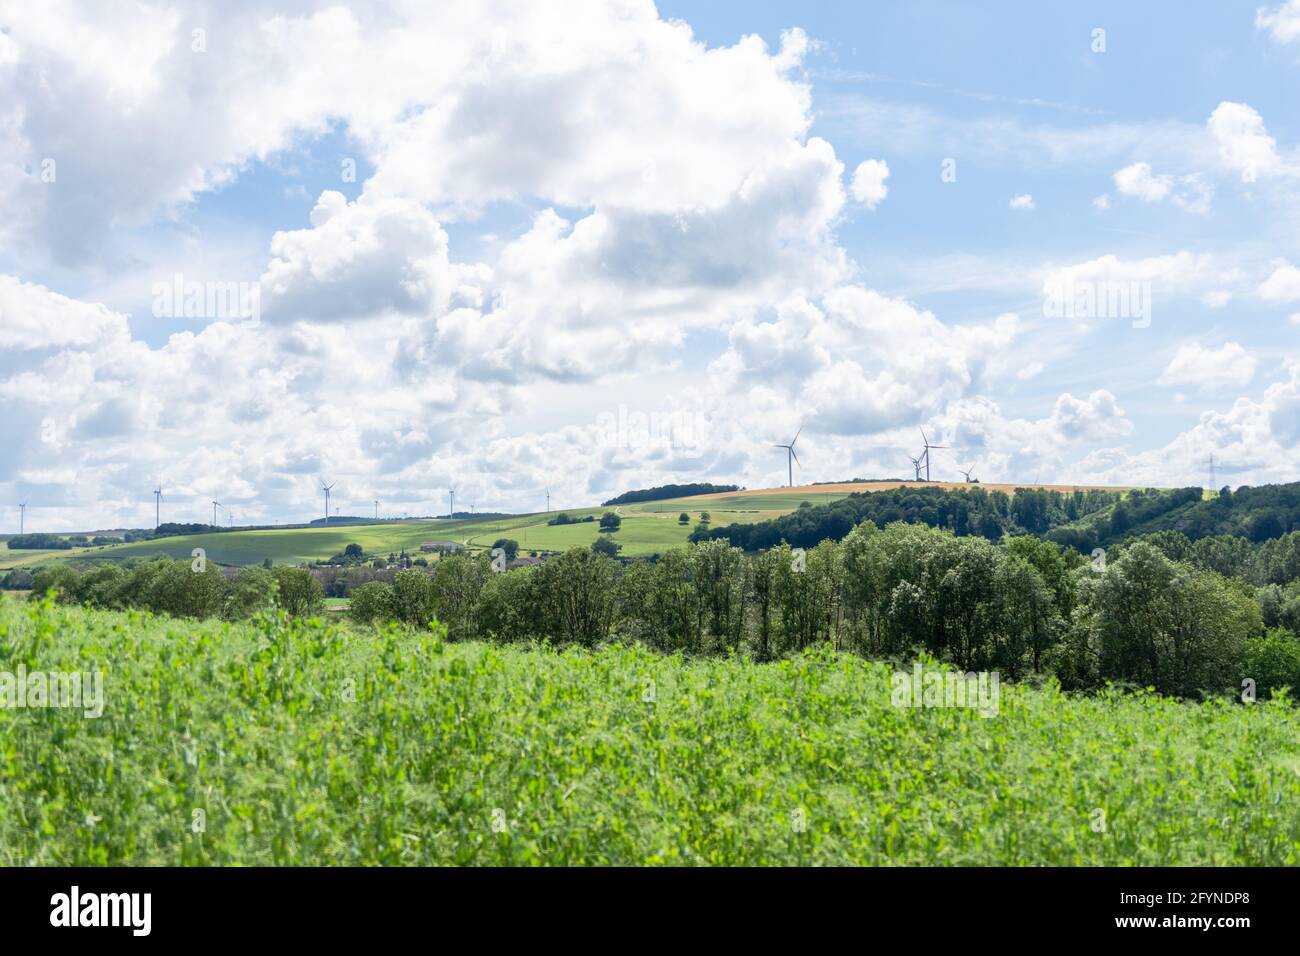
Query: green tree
{"type": "Point", "coordinates": [610, 522]}
{"type": "Point", "coordinates": [298, 591]}
{"type": "Point", "coordinates": [509, 545]}
{"type": "Point", "coordinates": [373, 602]}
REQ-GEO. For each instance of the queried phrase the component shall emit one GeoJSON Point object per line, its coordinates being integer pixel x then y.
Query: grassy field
{"type": "Point", "coordinates": [648, 528]}
{"type": "Point", "coordinates": [284, 743]}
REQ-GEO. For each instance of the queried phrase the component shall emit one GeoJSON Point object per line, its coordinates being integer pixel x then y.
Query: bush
{"type": "Point", "coordinates": [61, 578]}
{"type": "Point", "coordinates": [251, 590]}
{"type": "Point", "coordinates": [412, 598]}
{"type": "Point", "coordinates": [298, 591]}
{"type": "Point", "coordinates": [373, 602]}
{"type": "Point", "coordinates": [1273, 662]}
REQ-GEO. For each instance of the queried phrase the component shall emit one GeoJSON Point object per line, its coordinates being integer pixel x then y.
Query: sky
{"type": "Point", "coordinates": [512, 247]}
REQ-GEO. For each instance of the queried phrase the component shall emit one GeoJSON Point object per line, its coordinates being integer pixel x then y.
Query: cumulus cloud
{"type": "Point", "coordinates": [34, 317]}
{"type": "Point", "coordinates": [1022, 201]}
{"type": "Point", "coordinates": [1282, 285]}
{"type": "Point", "coordinates": [1282, 22]}
{"type": "Point", "coordinates": [869, 182]}
{"type": "Point", "coordinates": [1244, 143]}
{"type": "Point", "coordinates": [1138, 181]}
{"type": "Point", "coordinates": [1229, 366]}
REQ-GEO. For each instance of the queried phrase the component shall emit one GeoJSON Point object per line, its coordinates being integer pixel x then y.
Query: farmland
{"type": "Point", "coordinates": [648, 528]}
{"type": "Point", "coordinates": [294, 742]}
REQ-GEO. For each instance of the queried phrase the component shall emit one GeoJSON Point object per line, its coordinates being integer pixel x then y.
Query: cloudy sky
{"type": "Point", "coordinates": [595, 246]}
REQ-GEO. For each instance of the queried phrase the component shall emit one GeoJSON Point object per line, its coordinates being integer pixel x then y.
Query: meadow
{"type": "Point", "coordinates": [282, 741]}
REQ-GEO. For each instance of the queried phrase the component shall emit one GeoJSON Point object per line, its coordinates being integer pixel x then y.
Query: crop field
{"type": "Point", "coordinates": [280, 742]}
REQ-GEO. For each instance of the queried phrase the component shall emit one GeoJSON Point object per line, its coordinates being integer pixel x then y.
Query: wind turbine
{"type": "Point", "coordinates": [326, 488]}
{"type": "Point", "coordinates": [791, 457]}
{"type": "Point", "coordinates": [451, 509]}
{"type": "Point", "coordinates": [916, 466]}
{"type": "Point", "coordinates": [967, 473]}
{"type": "Point", "coordinates": [157, 505]}
{"type": "Point", "coordinates": [22, 516]}
{"type": "Point", "coordinates": [928, 446]}
{"type": "Point", "coordinates": [215, 505]}
{"type": "Point", "coordinates": [376, 509]}
{"type": "Point", "coordinates": [548, 499]}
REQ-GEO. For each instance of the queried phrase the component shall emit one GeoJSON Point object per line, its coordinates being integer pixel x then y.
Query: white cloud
{"type": "Point", "coordinates": [1282, 22]}
{"type": "Point", "coordinates": [1282, 285]}
{"type": "Point", "coordinates": [1022, 201]}
{"type": "Point", "coordinates": [869, 182]}
{"type": "Point", "coordinates": [1101, 202]}
{"type": "Point", "coordinates": [1245, 146]}
{"type": "Point", "coordinates": [33, 317]}
{"type": "Point", "coordinates": [1138, 181]}
{"type": "Point", "coordinates": [1229, 366]}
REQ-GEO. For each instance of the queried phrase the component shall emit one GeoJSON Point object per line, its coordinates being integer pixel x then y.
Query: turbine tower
{"type": "Point", "coordinates": [791, 457]}
{"type": "Point", "coordinates": [22, 517]}
{"type": "Point", "coordinates": [326, 488]}
{"type": "Point", "coordinates": [548, 499]}
{"type": "Point", "coordinates": [916, 466]}
{"type": "Point", "coordinates": [928, 446]}
{"type": "Point", "coordinates": [157, 505]}
{"type": "Point", "coordinates": [967, 474]}
{"type": "Point", "coordinates": [451, 508]}
{"type": "Point", "coordinates": [215, 505]}
{"type": "Point", "coordinates": [376, 509]}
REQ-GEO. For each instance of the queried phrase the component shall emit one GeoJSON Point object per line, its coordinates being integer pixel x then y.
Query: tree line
{"type": "Point", "coordinates": [1186, 618]}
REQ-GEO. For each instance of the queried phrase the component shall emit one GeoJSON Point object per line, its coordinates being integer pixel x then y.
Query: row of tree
{"type": "Point", "coordinates": [185, 589]}
{"type": "Point", "coordinates": [1024, 606]}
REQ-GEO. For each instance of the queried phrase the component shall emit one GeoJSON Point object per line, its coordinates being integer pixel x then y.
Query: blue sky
{"type": "Point", "coordinates": [555, 222]}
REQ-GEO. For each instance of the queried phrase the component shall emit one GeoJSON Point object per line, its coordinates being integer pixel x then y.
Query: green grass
{"type": "Point", "coordinates": [318, 744]}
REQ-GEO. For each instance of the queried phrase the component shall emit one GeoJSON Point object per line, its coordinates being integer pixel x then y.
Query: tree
{"type": "Point", "coordinates": [298, 591]}
{"type": "Point", "coordinates": [610, 522]}
{"type": "Point", "coordinates": [606, 546]}
{"type": "Point", "coordinates": [412, 598]}
{"type": "Point", "coordinates": [1273, 662]}
{"type": "Point", "coordinates": [509, 545]}
{"type": "Point", "coordinates": [576, 591]}
{"type": "Point", "coordinates": [252, 590]}
{"type": "Point", "coordinates": [353, 552]}
{"type": "Point", "coordinates": [372, 602]}
{"type": "Point", "coordinates": [683, 518]}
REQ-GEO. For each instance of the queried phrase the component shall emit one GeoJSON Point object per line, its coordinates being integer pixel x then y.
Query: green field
{"type": "Point", "coordinates": [300, 743]}
{"type": "Point", "coordinates": [648, 528]}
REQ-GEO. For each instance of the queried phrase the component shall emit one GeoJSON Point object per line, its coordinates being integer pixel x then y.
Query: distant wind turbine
{"type": "Point", "coordinates": [548, 499]}
{"type": "Point", "coordinates": [215, 505]}
{"type": "Point", "coordinates": [967, 472]}
{"type": "Point", "coordinates": [326, 488]}
{"type": "Point", "coordinates": [451, 508]}
{"type": "Point", "coordinates": [928, 446]}
{"type": "Point", "coordinates": [157, 505]}
{"type": "Point", "coordinates": [916, 466]}
{"type": "Point", "coordinates": [22, 517]}
{"type": "Point", "coordinates": [376, 509]}
{"type": "Point", "coordinates": [791, 457]}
